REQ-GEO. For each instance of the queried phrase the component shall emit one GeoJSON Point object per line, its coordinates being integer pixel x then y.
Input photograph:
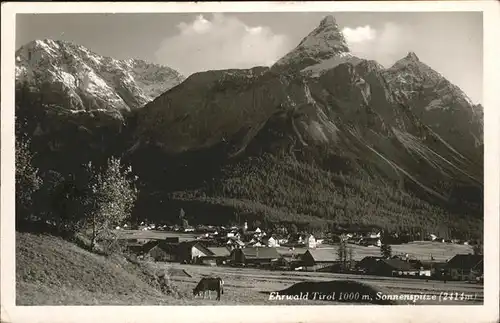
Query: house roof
{"type": "Point", "coordinates": [189, 244]}
{"type": "Point", "coordinates": [219, 251]}
{"type": "Point", "coordinates": [398, 264]}
{"type": "Point", "coordinates": [465, 261]}
{"type": "Point", "coordinates": [149, 245]}
{"type": "Point", "coordinates": [323, 255]}
{"type": "Point", "coordinates": [166, 246]}
{"type": "Point", "coordinates": [260, 253]}
{"type": "Point", "coordinates": [433, 264]}
{"type": "Point", "coordinates": [369, 259]}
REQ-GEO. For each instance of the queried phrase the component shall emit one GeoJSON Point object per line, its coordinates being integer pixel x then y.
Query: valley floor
{"type": "Point", "coordinates": [249, 286]}
{"type": "Point", "coordinates": [52, 271]}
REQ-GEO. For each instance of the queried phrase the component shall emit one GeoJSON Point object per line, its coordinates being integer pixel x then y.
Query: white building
{"type": "Point", "coordinates": [310, 241]}
{"type": "Point", "coordinates": [271, 242]}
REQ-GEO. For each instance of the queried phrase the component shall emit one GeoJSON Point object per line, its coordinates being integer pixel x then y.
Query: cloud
{"type": "Point", "coordinates": [359, 34]}
{"type": "Point", "coordinates": [220, 43]}
{"type": "Point", "coordinates": [385, 45]}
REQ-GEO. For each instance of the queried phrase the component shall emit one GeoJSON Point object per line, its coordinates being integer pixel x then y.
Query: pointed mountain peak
{"type": "Point", "coordinates": [328, 21]}
{"type": "Point", "coordinates": [327, 36]}
{"type": "Point", "coordinates": [412, 57]}
{"type": "Point", "coordinates": [324, 42]}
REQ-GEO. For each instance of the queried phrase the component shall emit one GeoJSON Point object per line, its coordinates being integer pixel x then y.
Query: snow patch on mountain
{"type": "Point", "coordinates": [87, 76]}
{"type": "Point", "coordinates": [326, 64]}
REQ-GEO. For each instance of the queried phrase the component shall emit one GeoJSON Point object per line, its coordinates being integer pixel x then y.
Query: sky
{"type": "Point", "coordinates": [449, 42]}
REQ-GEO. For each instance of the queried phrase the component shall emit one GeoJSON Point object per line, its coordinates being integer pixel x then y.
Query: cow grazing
{"type": "Point", "coordinates": [209, 284]}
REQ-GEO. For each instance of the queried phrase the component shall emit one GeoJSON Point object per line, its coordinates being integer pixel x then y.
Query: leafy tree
{"type": "Point", "coordinates": [478, 249]}
{"type": "Point", "coordinates": [386, 250]}
{"type": "Point", "coordinates": [27, 179]}
{"type": "Point", "coordinates": [70, 204]}
{"type": "Point", "coordinates": [342, 253]}
{"type": "Point", "coordinates": [350, 255]}
{"type": "Point", "coordinates": [113, 195]}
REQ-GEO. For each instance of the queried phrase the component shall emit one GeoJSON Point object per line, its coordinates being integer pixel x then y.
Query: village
{"type": "Point", "coordinates": [358, 252]}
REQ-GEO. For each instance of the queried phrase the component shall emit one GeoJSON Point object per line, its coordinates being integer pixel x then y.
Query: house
{"type": "Point", "coordinates": [219, 254]}
{"type": "Point", "coordinates": [295, 239]}
{"type": "Point", "coordinates": [234, 243]}
{"type": "Point", "coordinates": [395, 267]}
{"type": "Point", "coordinates": [315, 259]}
{"type": "Point", "coordinates": [254, 243]}
{"type": "Point", "coordinates": [190, 251]}
{"type": "Point", "coordinates": [160, 250]}
{"type": "Point", "coordinates": [310, 241]}
{"type": "Point", "coordinates": [432, 269]}
{"type": "Point", "coordinates": [215, 256]}
{"type": "Point", "coordinates": [134, 247]}
{"type": "Point", "coordinates": [387, 267]}
{"type": "Point", "coordinates": [370, 242]}
{"type": "Point", "coordinates": [368, 264]}
{"type": "Point", "coordinates": [259, 255]}
{"type": "Point", "coordinates": [271, 242]}
{"type": "Point", "coordinates": [465, 267]}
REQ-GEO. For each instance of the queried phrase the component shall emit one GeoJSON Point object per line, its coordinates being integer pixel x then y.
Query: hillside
{"type": "Point", "coordinates": [53, 271]}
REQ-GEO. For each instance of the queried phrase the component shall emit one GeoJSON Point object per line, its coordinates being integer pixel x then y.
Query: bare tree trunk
{"type": "Point", "coordinates": [94, 234]}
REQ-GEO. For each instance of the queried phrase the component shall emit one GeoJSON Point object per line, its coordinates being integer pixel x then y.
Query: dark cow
{"type": "Point", "coordinates": [209, 284]}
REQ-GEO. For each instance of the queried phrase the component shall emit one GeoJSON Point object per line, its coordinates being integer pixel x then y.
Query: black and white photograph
{"type": "Point", "coordinates": [280, 158]}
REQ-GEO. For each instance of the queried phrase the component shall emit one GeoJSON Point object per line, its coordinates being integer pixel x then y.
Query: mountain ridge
{"type": "Point", "coordinates": [316, 111]}
{"type": "Point", "coordinates": [89, 81]}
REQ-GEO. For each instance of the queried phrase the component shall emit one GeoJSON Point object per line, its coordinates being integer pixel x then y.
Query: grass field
{"type": "Point", "coordinates": [245, 286]}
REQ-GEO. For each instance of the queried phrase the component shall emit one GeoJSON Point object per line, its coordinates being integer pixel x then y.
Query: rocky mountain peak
{"type": "Point", "coordinates": [412, 57]}
{"type": "Point", "coordinates": [328, 20]}
{"type": "Point", "coordinates": [325, 42]}
{"type": "Point", "coordinates": [87, 80]}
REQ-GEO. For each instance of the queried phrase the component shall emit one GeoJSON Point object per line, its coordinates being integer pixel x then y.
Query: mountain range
{"type": "Point", "coordinates": [322, 137]}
